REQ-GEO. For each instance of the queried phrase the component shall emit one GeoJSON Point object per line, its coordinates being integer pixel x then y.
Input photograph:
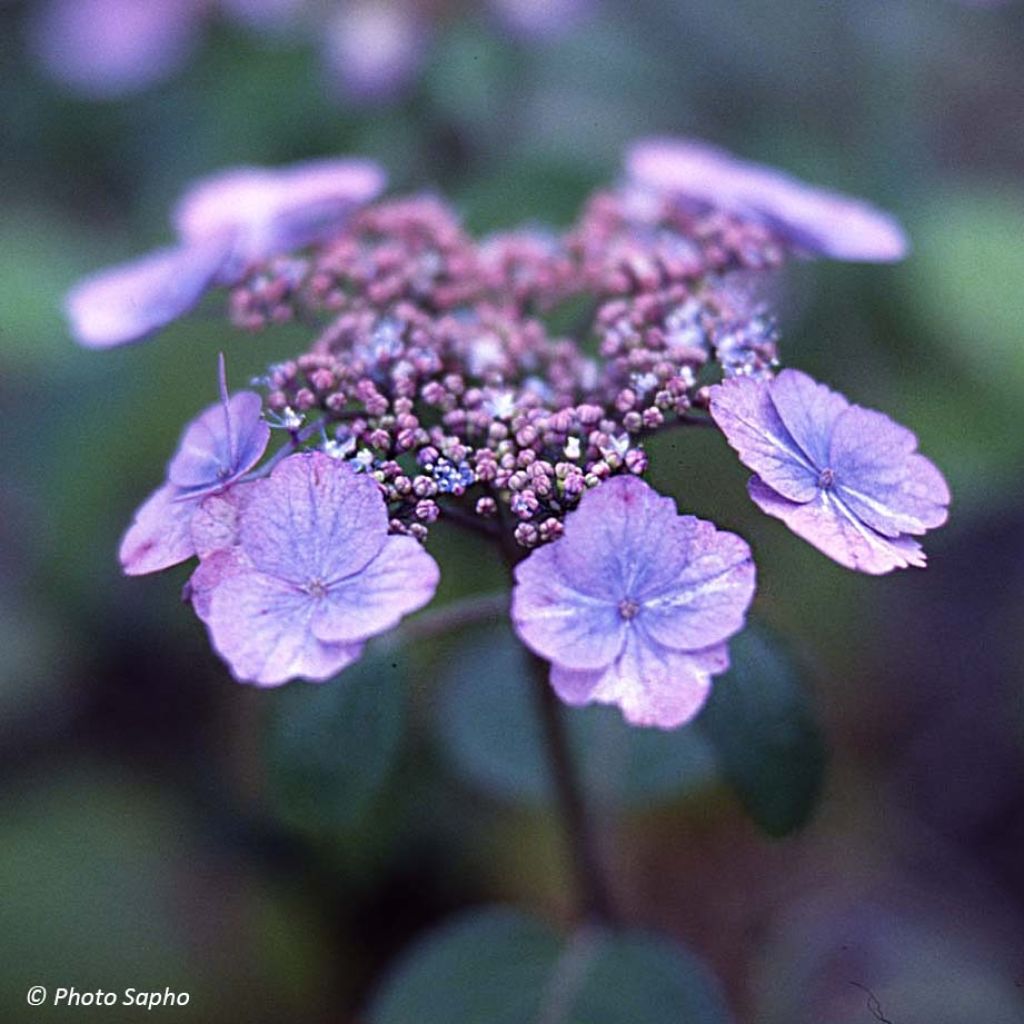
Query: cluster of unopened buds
{"type": "Point", "coordinates": [438, 386]}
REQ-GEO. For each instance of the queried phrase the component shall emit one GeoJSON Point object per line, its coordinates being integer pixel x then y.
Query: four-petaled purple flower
{"type": "Point", "coordinates": [298, 571]}
{"type": "Point", "coordinates": [633, 605]}
{"type": "Point", "coordinates": [226, 223]}
{"type": "Point", "coordinates": [846, 479]}
{"type": "Point", "coordinates": [811, 220]}
{"type": "Point", "coordinates": [218, 446]}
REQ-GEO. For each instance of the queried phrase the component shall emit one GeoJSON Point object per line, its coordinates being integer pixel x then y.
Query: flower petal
{"type": "Point", "coordinates": [159, 536]}
{"type": "Point", "coordinates": [653, 685]}
{"type": "Point", "coordinates": [744, 411]}
{"type": "Point", "coordinates": [834, 530]}
{"type": "Point", "coordinates": [557, 620]}
{"type": "Point", "coordinates": [261, 627]}
{"type": "Point", "coordinates": [706, 599]}
{"type": "Point", "coordinates": [127, 303]}
{"type": "Point", "coordinates": [811, 219]}
{"type": "Point", "coordinates": [214, 527]}
{"type": "Point", "coordinates": [809, 412]}
{"type": "Point", "coordinates": [221, 443]}
{"type": "Point", "coordinates": [882, 479]}
{"type": "Point", "coordinates": [400, 579]}
{"type": "Point", "coordinates": [313, 518]}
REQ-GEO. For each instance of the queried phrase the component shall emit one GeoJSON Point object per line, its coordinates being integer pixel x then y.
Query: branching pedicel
{"type": "Point", "coordinates": [437, 386]}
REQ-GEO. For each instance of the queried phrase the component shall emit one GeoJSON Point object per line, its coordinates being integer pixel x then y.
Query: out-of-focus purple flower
{"type": "Point", "coordinates": [219, 446]}
{"type": "Point", "coordinates": [534, 19]}
{"type": "Point", "coordinates": [633, 605]}
{"type": "Point", "coordinates": [103, 49]}
{"type": "Point", "coordinates": [811, 220]}
{"type": "Point", "coordinates": [226, 223]}
{"type": "Point", "coordinates": [311, 574]}
{"type": "Point", "coordinates": [374, 48]}
{"type": "Point", "coordinates": [846, 479]}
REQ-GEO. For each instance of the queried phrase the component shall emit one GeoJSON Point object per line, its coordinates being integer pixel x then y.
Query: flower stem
{"type": "Point", "coordinates": [594, 896]}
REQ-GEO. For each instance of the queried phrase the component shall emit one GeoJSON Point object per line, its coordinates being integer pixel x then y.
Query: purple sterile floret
{"type": "Point", "coordinates": [848, 480]}
{"type": "Point", "coordinates": [226, 223]}
{"type": "Point", "coordinates": [811, 220]}
{"type": "Point", "coordinates": [633, 605]}
{"type": "Point", "coordinates": [310, 574]}
{"type": "Point", "coordinates": [219, 446]}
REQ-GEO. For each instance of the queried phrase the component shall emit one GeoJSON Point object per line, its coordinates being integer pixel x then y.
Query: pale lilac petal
{"type": "Point", "coordinates": [214, 526]}
{"type": "Point", "coordinates": [221, 443]}
{"type": "Point", "coordinates": [707, 600]}
{"type": "Point", "coordinates": [374, 48]}
{"type": "Point", "coordinates": [809, 412]}
{"type": "Point", "coordinates": [611, 539]}
{"type": "Point", "coordinates": [812, 219]}
{"type": "Point", "coordinates": [261, 627]}
{"type": "Point", "coordinates": [834, 530]}
{"type": "Point", "coordinates": [104, 49]}
{"type": "Point", "coordinates": [882, 479]}
{"type": "Point", "coordinates": [268, 211]}
{"type": "Point", "coordinates": [400, 579]}
{"type": "Point", "coordinates": [558, 621]}
{"type": "Point", "coordinates": [744, 411]}
{"type": "Point", "coordinates": [129, 302]}
{"type": "Point", "coordinates": [313, 519]}
{"type": "Point", "coordinates": [653, 685]}
{"type": "Point", "coordinates": [159, 536]}
{"type": "Point", "coordinates": [212, 570]}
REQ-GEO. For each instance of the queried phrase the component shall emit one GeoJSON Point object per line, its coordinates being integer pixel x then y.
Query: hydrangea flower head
{"type": "Point", "coordinates": [226, 223]}
{"type": "Point", "coordinates": [220, 445]}
{"type": "Point", "coordinates": [809, 219]}
{"type": "Point", "coordinates": [633, 605]}
{"type": "Point", "coordinates": [313, 574]}
{"type": "Point", "coordinates": [848, 480]}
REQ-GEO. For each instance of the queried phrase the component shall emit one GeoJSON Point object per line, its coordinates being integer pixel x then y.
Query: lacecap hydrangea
{"type": "Point", "coordinates": [435, 388]}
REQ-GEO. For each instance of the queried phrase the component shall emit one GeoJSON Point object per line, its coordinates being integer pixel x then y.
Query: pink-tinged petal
{"type": "Point", "coordinates": [221, 443]}
{"type": "Point", "coordinates": [159, 536]}
{"type": "Point", "coordinates": [214, 526]}
{"type": "Point", "coordinates": [210, 573]}
{"type": "Point", "coordinates": [313, 519]}
{"type": "Point", "coordinates": [652, 685]}
{"type": "Point", "coordinates": [707, 600]}
{"type": "Point", "coordinates": [104, 49]}
{"type": "Point", "coordinates": [834, 530]}
{"type": "Point", "coordinates": [881, 478]}
{"type": "Point", "coordinates": [401, 579]}
{"type": "Point", "coordinates": [809, 412]}
{"type": "Point", "coordinates": [374, 48]}
{"type": "Point", "coordinates": [745, 413]}
{"type": "Point", "coordinates": [261, 627]}
{"type": "Point", "coordinates": [557, 620]}
{"type": "Point", "coordinates": [129, 302]}
{"type": "Point", "coordinates": [812, 219]}
{"type": "Point", "coordinates": [267, 211]}
{"type": "Point", "coordinates": [611, 540]}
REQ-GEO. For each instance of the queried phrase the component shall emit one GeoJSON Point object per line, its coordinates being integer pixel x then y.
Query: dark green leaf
{"type": "Point", "coordinates": [492, 734]}
{"type": "Point", "coordinates": [765, 734]}
{"type": "Point", "coordinates": [503, 967]}
{"type": "Point", "coordinates": [331, 745]}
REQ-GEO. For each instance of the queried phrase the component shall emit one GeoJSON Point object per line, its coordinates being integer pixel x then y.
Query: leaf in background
{"type": "Point", "coordinates": [492, 735]}
{"type": "Point", "coordinates": [762, 726]}
{"type": "Point", "coordinates": [332, 745]}
{"type": "Point", "coordinates": [500, 966]}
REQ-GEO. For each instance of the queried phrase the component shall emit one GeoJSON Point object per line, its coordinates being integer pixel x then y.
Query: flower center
{"type": "Point", "coordinates": [826, 478]}
{"type": "Point", "coordinates": [316, 587]}
{"type": "Point", "coordinates": [628, 608]}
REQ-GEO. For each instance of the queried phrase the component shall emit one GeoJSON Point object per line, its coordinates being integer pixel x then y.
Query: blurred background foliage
{"type": "Point", "coordinates": [160, 825]}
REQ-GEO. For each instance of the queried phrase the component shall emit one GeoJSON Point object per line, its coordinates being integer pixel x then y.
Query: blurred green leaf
{"type": "Point", "coordinates": [491, 732]}
{"type": "Point", "coordinates": [765, 735]}
{"type": "Point", "coordinates": [331, 746]}
{"type": "Point", "coordinates": [503, 967]}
